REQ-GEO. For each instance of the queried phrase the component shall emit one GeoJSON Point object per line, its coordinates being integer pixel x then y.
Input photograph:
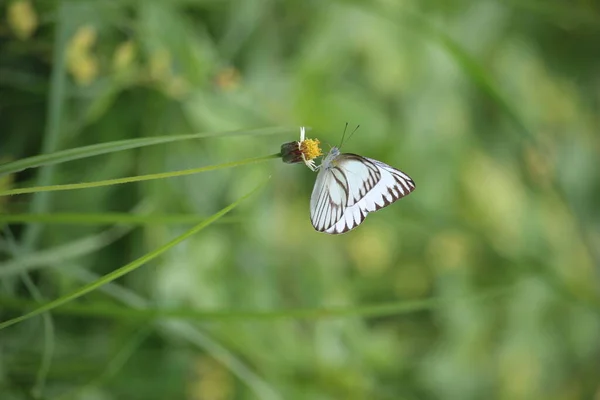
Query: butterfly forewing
{"type": "Point", "coordinates": [351, 186]}
{"type": "Point", "coordinates": [361, 174]}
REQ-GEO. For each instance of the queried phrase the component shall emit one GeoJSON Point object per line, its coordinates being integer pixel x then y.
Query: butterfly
{"type": "Point", "coordinates": [349, 186]}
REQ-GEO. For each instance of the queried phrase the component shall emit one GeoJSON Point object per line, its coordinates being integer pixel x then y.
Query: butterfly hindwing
{"type": "Point", "coordinates": [328, 199]}
{"type": "Point", "coordinates": [350, 187]}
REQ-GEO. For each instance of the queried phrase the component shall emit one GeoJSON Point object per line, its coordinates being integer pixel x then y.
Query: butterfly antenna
{"type": "Point", "coordinates": [343, 135]}
{"type": "Point", "coordinates": [355, 129]}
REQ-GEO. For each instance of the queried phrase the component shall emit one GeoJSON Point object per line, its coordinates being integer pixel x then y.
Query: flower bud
{"type": "Point", "coordinates": [291, 153]}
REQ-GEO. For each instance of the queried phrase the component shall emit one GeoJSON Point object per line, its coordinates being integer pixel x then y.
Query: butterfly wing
{"type": "Point", "coordinates": [351, 187]}
{"type": "Point", "coordinates": [329, 198]}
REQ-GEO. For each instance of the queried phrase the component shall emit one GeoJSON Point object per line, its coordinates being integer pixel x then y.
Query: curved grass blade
{"type": "Point", "coordinates": [48, 322]}
{"type": "Point", "coordinates": [114, 365]}
{"type": "Point", "coordinates": [132, 266]}
{"type": "Point", "coordinates": [64, 252]}
{"type": "Point", "coordinates": [48, 340]}
{"type": "Point", "coordinates": [82, 246]}
{"type": "Point", "coordinates": [186, 330]}
{"type": "Point", "coordinates": [120, 145]}
{"type": "Point", "coordinates": [472, 69]}
{"type": "Point", "coordinates": [376, 310]}
{"type": "Point", "coordinates": [108, 218]}
{"type": "Point", "coordinates": [475, 71]}
{"type": "Point", "coordinates": [55, 113]}
{"type": "Point", "coordinates": [139, 178]}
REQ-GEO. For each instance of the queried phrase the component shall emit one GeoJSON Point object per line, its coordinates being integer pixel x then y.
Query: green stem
{"type": "Point", "coordinates": [92, 150]}
{"type": "Point", "coordinates": [132, 266]}
{"type": "Point", "coordinates": [139, 178]}
{"type": "Point", "coordinates": [366, 311]}
{"type": "Point", "coordinates": [108, 218]}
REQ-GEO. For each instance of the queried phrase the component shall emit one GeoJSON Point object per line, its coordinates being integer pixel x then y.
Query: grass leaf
{"type": "Point", "coordinates": [376, 310]}
{"type": "Point", "coordinates": [120, 145]}
{"type": "Point", "coordinates": [138, 178]}
{"type": "Point", "coordinates": [132, 266]}
{"type": "Point", "coordinates": [108, 218]}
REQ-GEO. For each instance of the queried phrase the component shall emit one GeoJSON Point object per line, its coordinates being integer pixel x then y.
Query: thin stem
{"type": "Point", "coordinates": [367, 311]}
{"type": "Point", "coordinates": [139, 178]}
{"type": "Point", "coordinates": [124, 270]}
{"type": "Point", "coordinates": [109, 218]}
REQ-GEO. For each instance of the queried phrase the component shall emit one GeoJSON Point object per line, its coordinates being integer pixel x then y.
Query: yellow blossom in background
{"type": "Point", "coordinates": [540, 166]}
{"type": "Point", "coordinates": [161, 73]}
{"type": "Point", "coordinates": [84, 38]}
{"type": "Point", "coordinates": [228, 79]}
{"type": "Point", "coordinates": [212, 381]}
{"type": "Point", "coordinates": [123, 56]}
{"type": "Point", "coordinates": [497, 201]}
{"type": "Point", "coordinates": [22, 18]}
{"type": "Point", "coordinates": [411, 280]}
{"type": "Point", "coordinates": [449, 250]}
{"type": "Point", "coordinates": [81, 62]}
{"type": "Point", "coordinates": [519, 371]}
{"type": "Point", "coordinates": [160, 65]}
{"type": "Point", "coordinates": [176, 87]}
{"type": "Point", "coordinates": [371, 250]}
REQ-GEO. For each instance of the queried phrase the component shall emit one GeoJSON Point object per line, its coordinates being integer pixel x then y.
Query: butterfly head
{"type": "Point", "coordinates": [329, 160]}
{"type": "Point", "coordinates": [334, 152]}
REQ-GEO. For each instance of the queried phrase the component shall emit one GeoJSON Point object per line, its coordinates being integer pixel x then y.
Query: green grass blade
{"type": "Point", "coordinates": [128, 267]}
{"type": "Point", "coordinates": [377, 310]}
{"type": "Point", "coordinates": [64, 252]}
{"type": "Point", "coordinates": [139, 178]}
{"type": "Point", "coordinates": [54, 126]}
{"type": "Point", "coordinates": [235, 363]}
{"type": "Point", "coordinates": [112, 368]}
{"type": "Point", "coordinates": [185, 330]}
{"type": "Point", "coordinates": [108, 218]}
{"type": "Point", "coordinates": [470, 66]}
{"type": "Point", "coordinates": [49, 340]}
{"type": "Point", "coordinates": [48, 337]}
{"type": "Point", "coordinates": [120, 145]}
{"type": "Point", "coordinates": [475, 72]}
{"type": "Point", "coordinates": [41, 202]}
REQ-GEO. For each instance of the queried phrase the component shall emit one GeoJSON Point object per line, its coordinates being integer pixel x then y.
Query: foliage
{"type": "Point", "coordinates": [483, 283]}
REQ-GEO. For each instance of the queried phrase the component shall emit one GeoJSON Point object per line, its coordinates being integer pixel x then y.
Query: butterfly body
{"type": "Point", "coordinates": [349, 186]}
{"type": "Point", "coordinates": [329, 159]}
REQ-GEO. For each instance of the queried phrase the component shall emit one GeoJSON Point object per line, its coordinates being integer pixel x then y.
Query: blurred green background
{"type": "Point", "coordinates": [493, 108]}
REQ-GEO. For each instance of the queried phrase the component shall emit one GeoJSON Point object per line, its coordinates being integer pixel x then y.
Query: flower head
{"type": "Point", "coordinates": [306, 150]}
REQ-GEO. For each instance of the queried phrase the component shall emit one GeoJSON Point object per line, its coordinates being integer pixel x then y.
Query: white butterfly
{"type": "Point", "coordinates": [349, 187]}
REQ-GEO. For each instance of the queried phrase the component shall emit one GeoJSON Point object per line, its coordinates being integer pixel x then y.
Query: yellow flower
{"type": "Point", "coordinates": [228, 79]}
{"type": "Point", "coordinates": [22, 18]}
{"type": "Point", "coordinates": [81, 60]}
{"type": "Point", "coordinates": [124, 56]}
{"type": "Point", "coordinates": [305, 150]}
